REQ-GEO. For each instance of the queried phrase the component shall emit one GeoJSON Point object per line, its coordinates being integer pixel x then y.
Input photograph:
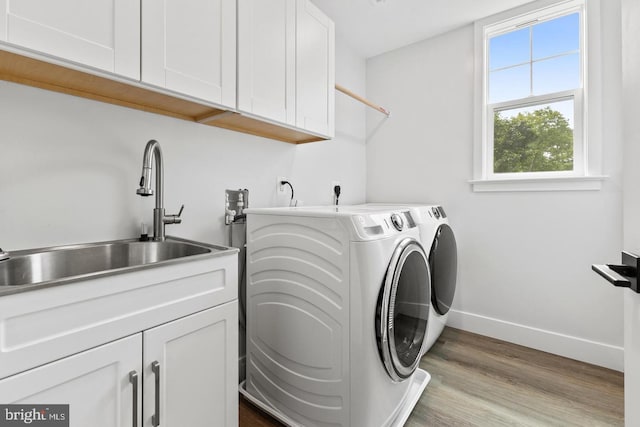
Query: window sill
{"type": "Point", "coordinates": [579, 183]}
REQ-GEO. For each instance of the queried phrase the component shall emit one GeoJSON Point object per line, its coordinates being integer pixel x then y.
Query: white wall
{"type": "Point", "coordinates": [69, 167]}
{"type": "Point", "coordinates": [524, 258]}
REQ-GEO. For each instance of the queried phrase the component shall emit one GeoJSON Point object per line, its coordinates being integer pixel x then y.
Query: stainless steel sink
{"type": "Point", "coordinates": [74, 262]}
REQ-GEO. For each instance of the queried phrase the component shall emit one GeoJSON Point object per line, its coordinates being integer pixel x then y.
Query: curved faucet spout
{"type": "Point", "coordinates": [152, 151]}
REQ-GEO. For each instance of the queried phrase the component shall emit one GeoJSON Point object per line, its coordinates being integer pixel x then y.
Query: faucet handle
{"type": "Point", "coordinates": [173, 219]}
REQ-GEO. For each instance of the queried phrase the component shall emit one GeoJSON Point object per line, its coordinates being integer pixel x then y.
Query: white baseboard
{"type": "Point", "coordinates": [596, 353]}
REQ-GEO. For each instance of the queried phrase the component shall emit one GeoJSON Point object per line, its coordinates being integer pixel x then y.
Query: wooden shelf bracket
{"type": "Point", "coordinates": [363, 100]}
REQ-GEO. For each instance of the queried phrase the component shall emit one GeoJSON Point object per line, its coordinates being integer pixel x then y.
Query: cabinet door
{"type": "Point", "coordinates": [191, 370]}
{"type": "Point", "coordinates": [96, 384]}
{"type": "Point", "coordinates": [315, 69]}
{"type": "Point", "coordinates": [104, 34]}
{"type": "Point", "coordinates": [189, 46]}
{"type": "Point", "coordinates": [266, 59]}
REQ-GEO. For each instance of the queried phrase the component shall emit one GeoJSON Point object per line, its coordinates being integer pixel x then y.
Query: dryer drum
{"type": "Point", "coordinates": [443, 263]}
{"type": "Point", "coordinates": [403, 310]}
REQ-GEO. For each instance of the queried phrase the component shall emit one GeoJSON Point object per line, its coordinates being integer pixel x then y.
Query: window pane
{"type": "Point", "coordinates": [556, 36]}
{"type": "Point", "coordinates": [554, 75]}
{"type": "Point", "coordinates": [509, 49]}
{"type": "Point", "coordinates": [534, 139]}
{"type": "Point", "coordinates": [510, 83]}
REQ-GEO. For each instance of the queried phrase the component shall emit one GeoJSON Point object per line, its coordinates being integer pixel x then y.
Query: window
{"type": "Point", "coordinates": [531, 124]}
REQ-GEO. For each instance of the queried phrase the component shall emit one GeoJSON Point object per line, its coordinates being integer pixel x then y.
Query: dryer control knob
{"type": "Point", "coordinates": [397, 221]}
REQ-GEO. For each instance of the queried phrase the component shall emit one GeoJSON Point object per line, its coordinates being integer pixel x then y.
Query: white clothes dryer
{"type": "Point", "coordinates": [337, 315]}
{"type": "Point", "coordinates": [439, 241]}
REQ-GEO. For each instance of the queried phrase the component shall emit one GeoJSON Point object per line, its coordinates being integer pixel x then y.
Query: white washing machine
{"type": "Point", "coordinates": [439, 241]}
{"type": "Point", "coordinates": [337, 315]}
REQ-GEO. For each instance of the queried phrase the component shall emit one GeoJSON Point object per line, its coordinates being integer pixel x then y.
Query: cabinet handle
{"type": "Point", "coordinates": [155, 419]}
{"type": "Point", "coordinates": [133, 378]}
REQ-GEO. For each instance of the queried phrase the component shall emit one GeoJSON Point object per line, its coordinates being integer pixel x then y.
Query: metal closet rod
{"type": "Point", "coordinates": [363, 100]}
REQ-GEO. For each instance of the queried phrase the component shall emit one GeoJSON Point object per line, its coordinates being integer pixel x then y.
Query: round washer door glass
{"type": "Point", "coordinates": [443, 261]}
{"type": "Point", "coordinates": [403, 310]}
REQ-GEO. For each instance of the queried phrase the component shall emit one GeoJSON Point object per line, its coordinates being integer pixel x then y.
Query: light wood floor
{"type": "Point", "coordinates": [481, 381]}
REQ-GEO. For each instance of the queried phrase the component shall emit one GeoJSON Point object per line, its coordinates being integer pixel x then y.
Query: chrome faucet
{"type": "Point", "coordinates": [151, 151]}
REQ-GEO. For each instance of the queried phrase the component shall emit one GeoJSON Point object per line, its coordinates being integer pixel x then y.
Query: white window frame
{"type": "Point", "coordinates": [587, 172]}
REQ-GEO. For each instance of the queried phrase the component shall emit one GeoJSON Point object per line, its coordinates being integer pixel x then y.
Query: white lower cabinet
{"type": "Point", "coordinates": [95, 384]}
{"type": "Point", "coordinates": [181, 373]}
{"type": "Point", "coordinates": [191, 370]}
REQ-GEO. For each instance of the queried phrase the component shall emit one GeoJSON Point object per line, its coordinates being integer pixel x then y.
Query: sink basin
{"type": "Point", "coordinates": [64, 263]}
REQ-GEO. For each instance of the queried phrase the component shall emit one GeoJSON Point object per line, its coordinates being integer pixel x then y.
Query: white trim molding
{"type": "Point", "coordinates": [569, 183]}
{"type": "Point", "coordinates": [596, 353]}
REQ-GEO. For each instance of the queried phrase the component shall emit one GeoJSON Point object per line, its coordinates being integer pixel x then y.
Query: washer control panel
{"type": "Point", "coordinates": [383, 224]}
{"type": "Point", "coordinates": [397, 221]}
{"type": "Point", "coordinates": [437, 212]}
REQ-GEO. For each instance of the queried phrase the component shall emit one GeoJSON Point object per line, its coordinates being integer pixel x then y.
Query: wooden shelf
{"type": "Point", "coordinates": [240, 123]}
{"type": "Point", "coordinates": [45, 75]}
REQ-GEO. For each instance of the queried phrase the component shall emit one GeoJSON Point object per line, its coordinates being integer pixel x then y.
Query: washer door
{"type": "Point", "coordinates": [443, 262]}
{"type": "Point", "coordinates": [403, 310]}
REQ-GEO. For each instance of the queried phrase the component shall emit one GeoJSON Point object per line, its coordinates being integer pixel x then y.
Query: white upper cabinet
{"type": "Point", "coordinates": [104, 34]}
{"type": "Point", "coordinates": [315, 69]}
{"type": "Point", "coordinates": [271, 60]}
{"type": "Point", "coordinates": [266, 59]}
{"type": "Point", "coordinates": [286, 63]}
{"type": "Point", "coordinates": [189, 47]}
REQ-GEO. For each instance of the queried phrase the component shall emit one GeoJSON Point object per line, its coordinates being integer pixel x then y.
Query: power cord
{"type": "Point", "coordinates": [336, 194]}
{"type": "Point", "coordinates": [290, 186]}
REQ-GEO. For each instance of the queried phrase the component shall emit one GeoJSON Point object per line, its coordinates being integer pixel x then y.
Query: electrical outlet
{"type": "Point", "coordinates": [280, 187]}
{"type": "Point", "coordinates": [333, 185]}
{"type": "Point", "coordinates": [335, 200]}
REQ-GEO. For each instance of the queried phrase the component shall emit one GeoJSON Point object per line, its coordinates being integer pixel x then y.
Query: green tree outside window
{"type": "Point", "coordinates": [536, 141]}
